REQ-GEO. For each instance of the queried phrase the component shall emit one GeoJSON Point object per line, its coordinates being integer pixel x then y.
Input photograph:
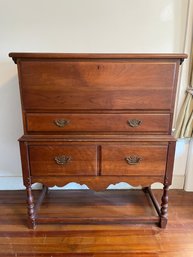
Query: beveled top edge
{"type": "Point", "coordinates": [99, 138]}
{"type": "Point", "coordinates": [16, 55]}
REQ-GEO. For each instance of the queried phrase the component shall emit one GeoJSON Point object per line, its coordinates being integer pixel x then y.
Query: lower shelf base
{"type": "Point", "coordinates": [89, 207]}
{"type": "Point", "coordinates": [96, 220]}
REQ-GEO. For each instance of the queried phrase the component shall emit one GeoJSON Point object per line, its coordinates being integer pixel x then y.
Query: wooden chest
{"type": "Point", "coordinates": [97, 119]}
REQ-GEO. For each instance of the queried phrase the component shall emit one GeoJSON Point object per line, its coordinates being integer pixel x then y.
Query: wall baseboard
{"type": "Point", "coordinates": [13, 183]}
{"type": "Point", "coordinates": [177, 183]}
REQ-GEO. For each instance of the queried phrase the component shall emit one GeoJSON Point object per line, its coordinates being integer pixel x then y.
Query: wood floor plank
{"type": "Point", "coordinates": [120, 240]}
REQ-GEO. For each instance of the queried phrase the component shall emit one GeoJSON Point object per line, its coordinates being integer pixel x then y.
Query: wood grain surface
{"type": "Point", "coordinates": [97, 84]}
{"type": "Point", "coordinates": [120, 240]}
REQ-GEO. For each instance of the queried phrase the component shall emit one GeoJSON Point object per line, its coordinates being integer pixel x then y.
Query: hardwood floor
{"type": "Point", "coordinates": [118, 240]}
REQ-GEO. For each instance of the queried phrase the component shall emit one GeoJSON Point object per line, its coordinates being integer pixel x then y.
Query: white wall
{"type": "Point", "coordinates": [77, 26]}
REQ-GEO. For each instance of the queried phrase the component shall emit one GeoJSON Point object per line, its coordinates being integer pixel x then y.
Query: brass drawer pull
{"type": "Point", "coordinates": [134, 123]}
{"type": "Point", "coordinates": [61, 122]}
{"type": "Point", "coordinates": [62, 159]}
{"type": "Point", "coordinates": [133, 159]}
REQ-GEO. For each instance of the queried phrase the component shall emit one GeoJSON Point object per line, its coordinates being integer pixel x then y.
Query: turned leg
{"type": "Point", "coordinates": [31, 211]}
{"type": "Point", "coordinates": [164, 207]}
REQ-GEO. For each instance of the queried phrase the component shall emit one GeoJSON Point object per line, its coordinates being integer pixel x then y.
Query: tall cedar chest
{"type": "Point", "coordinates": [97, 119]}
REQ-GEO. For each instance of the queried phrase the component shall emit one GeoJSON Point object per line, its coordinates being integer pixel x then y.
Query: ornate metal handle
{"type": "Point", "coordinates": [133, 159]}
{"type": "Point", "coordinates": [61, 122]}
{"type": "Point", "coordinates": [134, 123]}
{"type": "Point", "coordinates": [62, 159]}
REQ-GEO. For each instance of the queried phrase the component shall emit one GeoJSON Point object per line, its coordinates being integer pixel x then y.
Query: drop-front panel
{"type": "Point", "coordinates": [97, 119]}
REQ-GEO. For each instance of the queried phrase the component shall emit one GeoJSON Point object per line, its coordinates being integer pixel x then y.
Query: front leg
{"type": "Point", "coordinates": [30, 206]}
{"type": "Point", "coordinates": [164, 207]}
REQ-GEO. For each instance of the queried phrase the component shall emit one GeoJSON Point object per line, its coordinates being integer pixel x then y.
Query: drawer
{"type": "Point", "coordinates": [158, 123]}
{"type": "Point", "coordinates": [61, 160]}
{"type": "Point", "coordinates": [134, 160]}
{"type": "Point", "coordinates": [97, 84]}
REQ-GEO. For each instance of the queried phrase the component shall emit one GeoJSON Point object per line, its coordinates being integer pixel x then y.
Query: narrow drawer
{"type": "Point", "coordinates": [134, 160]}
{"type": "Point", "coordinates": [60, 160]}
{"type": "Point", "coordinates": [158, 123]}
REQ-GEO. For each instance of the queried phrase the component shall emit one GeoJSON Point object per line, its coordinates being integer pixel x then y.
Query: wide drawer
{"type": "Point", "coordinates": [51, 160]}
{"type": "Point", "coordinates": [97, 84]}
{"type": "Point", "coordinates": [158, 123]}
{"type": "Point", "coordinates": [134, 160]}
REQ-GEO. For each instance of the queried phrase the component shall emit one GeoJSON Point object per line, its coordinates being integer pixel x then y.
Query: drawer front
{"type": "Point", "coordinates": [158, 123]}
{"type": "Point", "coordinates": [97, 84]}
{"type": "Point", "coordinates": [147, 160]}
{"type": "Point", "coordinates": [61, 160]}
